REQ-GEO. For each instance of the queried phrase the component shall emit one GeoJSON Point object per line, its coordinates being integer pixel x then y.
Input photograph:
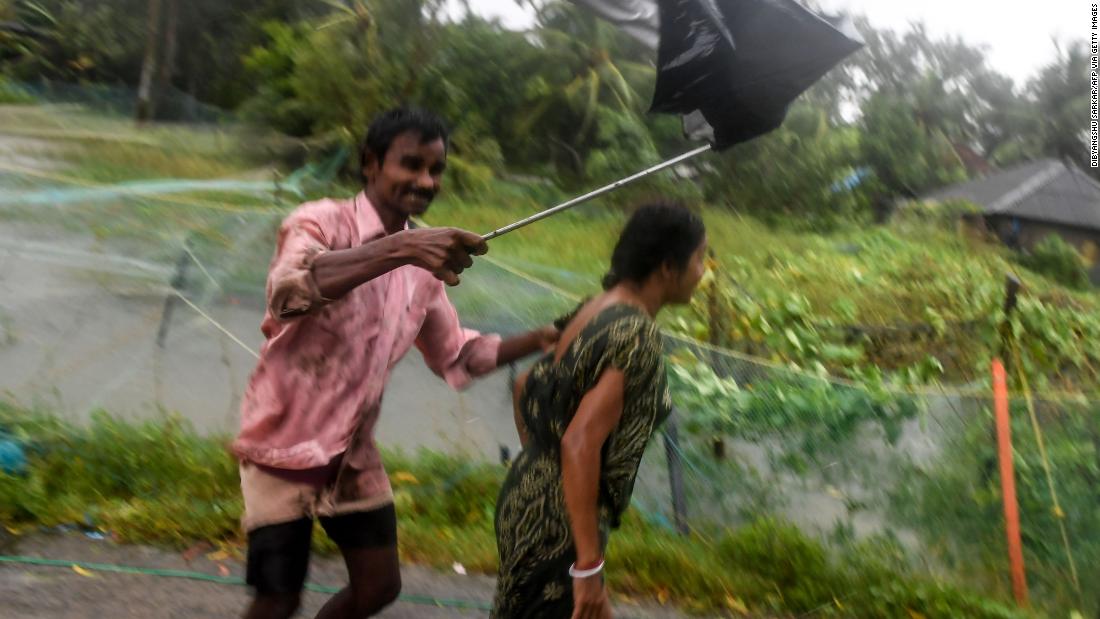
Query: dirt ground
{"type": "Point", "coordinates": [66, 593]}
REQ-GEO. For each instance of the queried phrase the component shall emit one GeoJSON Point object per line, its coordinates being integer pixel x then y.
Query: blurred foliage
{"type": "Point", "coordinates": [1058, 260]}
{"type": "Point", "coordinates": [99, 478]}
{"type": "Point", "coordinates": [800, 277]}
{"type": "Point", "coordinates": [566, 100]}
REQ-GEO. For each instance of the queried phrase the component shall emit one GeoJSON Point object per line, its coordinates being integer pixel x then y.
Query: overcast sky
{"type": "Point", "coordinates": [1019, 39]}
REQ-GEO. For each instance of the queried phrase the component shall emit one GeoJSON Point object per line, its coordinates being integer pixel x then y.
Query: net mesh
{"type": "Point", "coordinates": [132, 281]}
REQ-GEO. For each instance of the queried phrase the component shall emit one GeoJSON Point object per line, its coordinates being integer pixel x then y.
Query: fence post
{"type": "Point", "coordinates": [177, 283]}
{"type": "Point", "coordinates": [1008, 484]}
{"type": "Point", "coordinates": [1003, 428]}
{"type": "Point", "coordinates": [676, 473]}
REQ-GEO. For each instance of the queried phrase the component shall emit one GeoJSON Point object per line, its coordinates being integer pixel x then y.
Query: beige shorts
{"type": "Point", "coordinates": [270, 499]}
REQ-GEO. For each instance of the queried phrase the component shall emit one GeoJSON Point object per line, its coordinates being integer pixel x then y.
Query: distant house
{"type": "Point", "coordinates": [1023, 204]}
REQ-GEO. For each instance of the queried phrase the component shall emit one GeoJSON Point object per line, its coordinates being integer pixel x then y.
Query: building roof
{"type": "Point", "coordinates": [1046, 190]}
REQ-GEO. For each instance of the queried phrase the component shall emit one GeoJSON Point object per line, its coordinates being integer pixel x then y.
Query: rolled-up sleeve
{"type": "Point", "coordinates": [455, 354]}
{"type": "Point", "coordinates": [291, 288]}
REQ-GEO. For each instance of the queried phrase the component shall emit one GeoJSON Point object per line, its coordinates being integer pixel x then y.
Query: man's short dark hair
{"type": "Point", "coordinates": [388, 125]}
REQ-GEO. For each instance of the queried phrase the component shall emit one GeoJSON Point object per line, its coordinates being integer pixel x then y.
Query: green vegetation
{"type": "Point", "coordinates": [1059, 261]}
{"type": "Point", "coordinates": [102, 477]}
{"type": "Point", "coordinates": [910, 302]}
{"type": "Point", "coordinates": [565, 100]}
{"type": "Point", "coordinates": [846, 314]}
{"type": "Point", "coordinates": [955, 503]}
{"type": "Point", "coordinates": [801, 276]}
{"type": "Point", "coordinates": [865, 441]}
{"type": "Point", "coordinates": [902, 304]}
{"type": "Point", "coordinates": [12, 94]}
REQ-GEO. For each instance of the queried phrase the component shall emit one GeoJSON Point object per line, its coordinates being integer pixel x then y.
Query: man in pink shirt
{"type": "Point", "coordinates": [350, 289]}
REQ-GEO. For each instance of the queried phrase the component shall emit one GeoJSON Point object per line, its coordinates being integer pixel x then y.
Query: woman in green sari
{"type": "Point", "coordinates": [585, 412]}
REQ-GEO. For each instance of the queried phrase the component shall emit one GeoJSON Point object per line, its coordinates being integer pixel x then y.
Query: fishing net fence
{"type": "Point", "coordinates": [142, 294]}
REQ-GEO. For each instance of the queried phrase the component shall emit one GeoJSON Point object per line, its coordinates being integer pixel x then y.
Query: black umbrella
{"type": "Point", "coordinates": [730, 67]}
{"type": "Point", "coordinates": [740, 63]}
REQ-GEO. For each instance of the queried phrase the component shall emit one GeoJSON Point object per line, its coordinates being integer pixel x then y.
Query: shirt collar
{"type": "Point", "coordinates": [367, 219]}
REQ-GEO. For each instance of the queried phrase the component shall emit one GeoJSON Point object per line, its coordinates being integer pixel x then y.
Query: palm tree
{"type": "Point", "coordinates": [1060, 96]}
{"type": "Point", "coordinates": [592, 68]}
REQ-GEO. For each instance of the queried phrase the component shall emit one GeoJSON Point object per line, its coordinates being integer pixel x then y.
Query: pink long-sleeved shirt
{"type": "Point", "coordinates": [321, 373]}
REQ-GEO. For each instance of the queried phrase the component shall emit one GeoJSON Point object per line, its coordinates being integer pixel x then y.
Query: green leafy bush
{"type": "Point", "coordinates": [1058, 260]}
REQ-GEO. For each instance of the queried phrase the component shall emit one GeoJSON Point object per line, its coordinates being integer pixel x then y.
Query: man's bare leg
{"type": "Point", "coordinates": [375, 582]}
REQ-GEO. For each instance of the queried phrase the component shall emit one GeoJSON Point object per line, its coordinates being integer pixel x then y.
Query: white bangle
{"type": "Point", "coordinates": [575, 573]}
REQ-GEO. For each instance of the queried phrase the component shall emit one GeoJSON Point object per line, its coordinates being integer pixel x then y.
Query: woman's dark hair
{"type": "Point", "coordinates": [657, 233]}
{"type": "Point", "coordinates": [388, 125]}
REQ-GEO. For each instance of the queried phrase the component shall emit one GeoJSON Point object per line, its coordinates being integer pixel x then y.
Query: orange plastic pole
{"type": "Point", "coordinates": [1008, 484]}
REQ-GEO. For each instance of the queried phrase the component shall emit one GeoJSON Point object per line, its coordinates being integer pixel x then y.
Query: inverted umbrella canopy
{"type": "Point", "coordinates": [731, 67]}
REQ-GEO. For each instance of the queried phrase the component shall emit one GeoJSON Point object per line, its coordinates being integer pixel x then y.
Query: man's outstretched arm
{"type": "Point", "coordinates": [519, 346]}
{"type": "Point", "coordinates": [308, 273]}
{"type": "Point", "coordinates": [459, 355]}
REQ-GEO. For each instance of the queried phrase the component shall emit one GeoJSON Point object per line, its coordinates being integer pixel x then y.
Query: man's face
{"type": "Point", "coordinates": [408, 179]}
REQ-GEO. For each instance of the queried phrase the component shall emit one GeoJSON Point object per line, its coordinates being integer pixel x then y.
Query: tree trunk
{"type": "Point", "coordinates": [168, 61]}
{"type": "Point", "coordinates": [144, 109]}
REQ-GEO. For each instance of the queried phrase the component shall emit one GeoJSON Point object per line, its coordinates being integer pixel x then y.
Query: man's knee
{"type": "Point", "coordinates": [372, 597]}
{"type": "Point", "coordinates": [392, 589]}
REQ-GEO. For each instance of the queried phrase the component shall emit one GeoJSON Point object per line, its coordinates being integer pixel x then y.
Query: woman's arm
{"type": "Point", "coordinates": [598, 414]}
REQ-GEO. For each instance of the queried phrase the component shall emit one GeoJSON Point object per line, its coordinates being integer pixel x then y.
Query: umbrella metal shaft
{"type": "Point", "coordinates": [593, 194]}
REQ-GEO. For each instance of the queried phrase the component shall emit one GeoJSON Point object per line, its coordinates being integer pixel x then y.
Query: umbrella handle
{"type": "Point", "coordinates": [593, 194]}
